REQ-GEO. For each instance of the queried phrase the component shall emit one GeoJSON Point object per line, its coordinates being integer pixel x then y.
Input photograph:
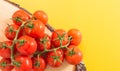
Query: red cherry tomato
{"type": "Point", "coordinates": [20, 16]}
{"type": "Point", "coordinates": [26, 45]}
{"type": "Point", "coordinates": [76, 36]}
{"type": "Point", "coordinates": [39, 64]}
{"type": "Point", "coordinates": [55, 59]}
{"type": "Point", "coordinates": [42, 16]}
{"type": "Point", "coordinates": [74, 55]}
{"type": "Point", "coordinates": [5, 65]}
{"type": "Point", "coordinates": [44, 42]}
{"type": "Point", "coordinates": [35, 29]}
{"type": "Point", "coordinates": [5, 51]}
{"type": "Point", "coordinates": [10, 31]}
{"type": "Point", "coordinates": [57, 35]}
{"type": "Point", "coordinates": [23, 63]}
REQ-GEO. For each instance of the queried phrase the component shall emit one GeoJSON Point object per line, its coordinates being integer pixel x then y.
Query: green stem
{"type": "Point", "coordinates": [50, 50]}
{"type": "Point", "coordinates": [13, 44]}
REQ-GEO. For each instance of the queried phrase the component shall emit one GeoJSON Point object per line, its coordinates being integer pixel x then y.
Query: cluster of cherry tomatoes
{"type": "Point", "coordinates": [30, 48]}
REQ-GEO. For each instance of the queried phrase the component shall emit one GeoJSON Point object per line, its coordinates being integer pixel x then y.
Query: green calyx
{"type": "Point", "coordinates": [44, 41]}
{"type": "Point", "coordinates": [18, 19]}
{"type": "Point", "coordinates": [16, 63]}
{"type": "Point", "coordinates": [11, 29]}
{"type": "Point", "coordinates": [30, 25]}
{"type": "Point", "coordinates": [3, 45]}
{"type": "Point", "coordinates": [37, 64]}
{"type": "Point", "coordinates": [3, 64]}
{"type": "Point", "coordinates": [21, 42]}
{"type": "Point", "coordinates": [56, 59]}
{"type": "Point", "coordinates": [71, 52]}
{"type": "Point", "coordinates": [62, 37]}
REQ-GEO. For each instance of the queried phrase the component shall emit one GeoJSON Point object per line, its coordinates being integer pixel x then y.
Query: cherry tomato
{"type": "Point", "coordinates": [55, 59]}
{"type": "Point", "coordinates": [74, 55]}
{"type": "Point", "coordinates": [23, 63]}
{"type": "Point", "coordinates": [5, 51]}
{"type": "Point", "coordinates": [5, 65]}
{"type": "Point", "coordinates": [10, 31]}
{"type": "Point", "coordinates": [44, 42]}
{"type": "Point", "coordinates": [57, 35]}
{"type": "Point", "coordinates": [39, 64]}
{"type": "Point", "coordinates": [76, 36]}
{"type": "Point", "coordinates": [41, 15]}
{"type": "Point", "coordinates": [26, 45]}
{"type": "Point", "coordinates": [20, 16]}
{"type": "Point", "coordinates": [35, 28]}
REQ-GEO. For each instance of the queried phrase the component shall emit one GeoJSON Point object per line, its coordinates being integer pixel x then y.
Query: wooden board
{"type": "Point", "coordinates": [6, 11]}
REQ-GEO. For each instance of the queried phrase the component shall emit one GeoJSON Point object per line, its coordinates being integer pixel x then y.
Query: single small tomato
{"type": "Point", "coordinates": [35, 28]}
{"type": "Point", "coordinates": [44, 42]}
{"type": "Point", "coordinates": [26, 45]}
{"type": "Point", "coordinates": [23, 63]}
{"type": "Point", "coordinates": [10, 31]}
{"type": "Point", "coordinates": [55, 58]}
{"type": "Point", "coordinates": [76, 36]}
{"type": "Point", "coordinates": [19, 16]}
{"type": "Point", "coordinates": [41, 15]}
{"type": "Point", "coordinates": [58, 35]}
{"type": "Point", "coordinates": [73, 55]}
{"type": "Point", "coordinates": [5, 51]}
{"type": "Point", "coordinates": [39, 64]}
{"type": "Point", "coordinates": [5, 65]}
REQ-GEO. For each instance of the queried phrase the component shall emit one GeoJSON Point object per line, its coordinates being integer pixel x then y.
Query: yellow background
{"type": "Point", "coordinates": [99, 22]}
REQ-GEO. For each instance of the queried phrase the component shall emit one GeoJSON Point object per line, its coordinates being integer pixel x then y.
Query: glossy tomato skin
{"type": "Point", "coordinates": [39, 64]}
{"type": "Point", "coordinates": [51, 60]}
{"type": "Point", "coordinates": [44, 40]}
{"type": "Point", "coordinates": [41, 15]}
{"type": "Point", "coordinates": [76, 36]}
{"type": "Point", "coordinates": [7, 67]}
{"type": "Point", "coordinates": [26, 45]}
{"type": "Point", "coordinates": [56, 41]}
{"type": "Point", "coordinates": [75, 58]}
{"type": "Point", "coordinates": [35, 28]}
{"type": "Point", "coordinates": [5, 51]}
{"type": "Point", "coordinates": [20, 16]}
{"type": "Point", "coordinates": [25, 63]}
{"type": "Point", "coordinates": [10, 31]}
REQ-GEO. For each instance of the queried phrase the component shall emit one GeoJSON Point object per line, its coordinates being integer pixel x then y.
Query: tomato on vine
{"type": "Point", "coordinates": [39, 64]}
{"type": "Point", "coordinates": [44, 42]}
{"type": "Point", "coordinates": [59, 35]}
{"type": "Point", "coordinates": [19, 16]}
{"type": "Point", "coordinates": [73, 55]}
{"type": "Point", "coordinates": [4, 49]}
{"type": "Point", "coordinates": [5, 65]}
{"type": "Point", "coordinates": [76, 36]}
{"type": "Point", "coordinates": [55, 58]}
{"type": "Point", "coordinates": [41, 15]}
{"type": "Point", "coordinates": [10, 31]}
{"type": "Point", "coordinates": [22, 63]}
{"type": "Point", "coordinates": [26, 45]}
{"type": "Point", "coordinates": [35, 28]}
